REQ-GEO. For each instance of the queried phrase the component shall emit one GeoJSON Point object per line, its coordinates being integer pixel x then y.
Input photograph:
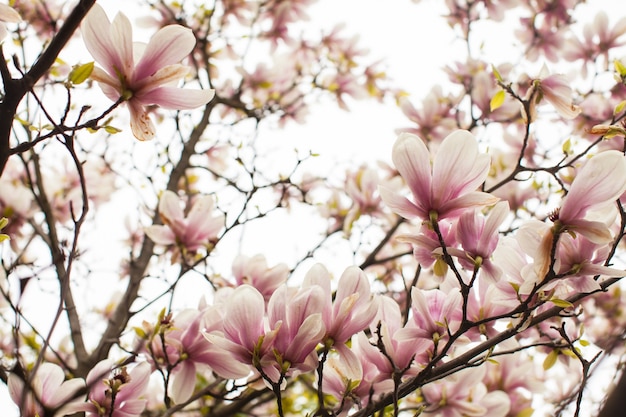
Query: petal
{"type": "Point", "coordinates": [458, 168]}
{"type": "Point", "coordinates": [8, 14]}
{"type": "Point", "coordinates": [495, 218]}
{"type": "Point", "coordinates": [173, 98]}
{"type": "Point", "coordinates": [168, 46]}
{"type": "Point", "coordinates": [96, 29]}
{"type": "Point", "coordinates": [122, 38]}
{"type": "Point", "coordinates": [474, 199]}
{"type": "Point", "coordinates": [600, 181]}
{"type": "Point", "coordinates": [401, 205]}
{"type": "Point", "coordinates": [163, 76]}
{"type": "Point", "coordinates": [243, 322]}
{"type": "Point", "coordinates": [309, 334]}
{"type": "Point", "coordinates": [140, 123]}
{"type": "Point", "coordinates": [597, 232]}
{"type": "Point", "coordinates": [183, 382]}
{"type": "Point", "coordinates": [161, 235]}
{"type": "Point", "coordinates": [169, 207]}
{"type": "Point", "coordinates": [412, 159]}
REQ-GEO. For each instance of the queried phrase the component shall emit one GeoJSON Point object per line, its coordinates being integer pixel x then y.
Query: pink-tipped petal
{"type": "Point", "coordinates": [168, 46]}
{"type": "Point", "coordinates": [458, 167]}
{"type": "Point", "coordinates": [174, 98]}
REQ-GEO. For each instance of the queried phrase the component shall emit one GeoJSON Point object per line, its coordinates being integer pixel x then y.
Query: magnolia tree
{"type": "Point", "coordinates": [476, 275]}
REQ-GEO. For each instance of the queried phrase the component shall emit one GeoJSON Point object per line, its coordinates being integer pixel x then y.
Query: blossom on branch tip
{"type": "Point", "coordinates": [114, 391]}
{"type": "Point", "coordinates": [448, 187]}
{"type": "Point", "coordinates": [147, 81]}
{"type": "Point", "coordinates": [191, 232]}
{"type": "Point", "coordinates": [599, 183]}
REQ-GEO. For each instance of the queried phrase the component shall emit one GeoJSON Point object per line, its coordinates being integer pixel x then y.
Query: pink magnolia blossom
{"type": "Point", "coordinates": [435, 315]}
{"type": "Point", "coordinates": [147, 81]}
{"type": "Point", "coordinates": [297, 313]}
{"type": "Point", "coordinates": [427, 248]}
{"type": "Point", "coordinates": [579, 260]}
{"type": "Point", "coordinates": [8, 15]}
{"type": "Point", "coordinates": [244, 334]}
{"type": "Point", "coordinates": [198, 229]}
{"type": "Point", "coordinates": [405, 352]}
{"type": "Point", "coordinates": [255, 272]}
{"type": "Point", "coordinates": [116, 392]}
{"type": "Point", "coordinates": [599, 183]}
{"type": "Point", "coordinates": [351, 309]}
{"type": "Point", "coordinates": [48, 389]}
{"type": "Point", "coordinates": [557, 90]}
{"type": "Point", "coordinates": [448, 187]}
{"type": "Point", "coordinates": [434, 118]}
{"type": "Point", "coordinates": [478, 236]}
{"type": "Point", "coordinates": [190, 353]}
{"type": "Point", "coordinates": [463, 394]}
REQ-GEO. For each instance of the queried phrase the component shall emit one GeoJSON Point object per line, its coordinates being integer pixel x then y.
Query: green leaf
{"type": "Point", "coordinates": [619, 108]}
{"type": "Point", "coordinates": [567, 147]}
{"type": "Point", "coordinates": [496, 73]}
{"type": "Point", "coordinates": [80, 73]}
{"type": "Point", "coordinates": [550, 360]}
{"type": "Point", "coordinates": [497, 100]}
{"type": "Point", "coordinates": [112, 130]}
{"type": "Point", "coordinates": [620, 68]}
{"type": "Point", "coordinates": [561, 303]}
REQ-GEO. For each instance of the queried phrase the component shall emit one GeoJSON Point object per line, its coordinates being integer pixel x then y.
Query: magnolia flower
{"type": "Point", "coordinates": [199, 228]}
{"type": "Point", "coordinates": [296, 313]}
{"type": "Point", "coordinates": [147, 81]}
{"type": "Point", "coordinates": [244, 333]}
{"type": "Point", "coordinates": [448, 187]}
{"type": "Point", "coordinates": [116, 392]}
{"type": "Point", "coordinates": [598, 184]}
{"type": "Point", "coordinates": [254, 271]}
{"type": "Point", "coordinates": [479, 236]}
{"type": "Point", "coordinates": [351, 309]}
{"type": "Point", "coordinates": [48, 390]}
{"type": "Point", "coordinates": [555, 89]}
{"type": "Point", "coordinates": [464, 394]}
{"type": "Point", "coordinates": [9, 15]}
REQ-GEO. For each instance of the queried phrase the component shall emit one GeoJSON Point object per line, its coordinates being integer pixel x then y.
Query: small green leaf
{"type": "Point", "coordinates": [80, 73]}
{"type": "Point", "coordinates": [583, 342]}
{"type": "Point", "coordinates": [567, 147]}
{"type": "Point", "coordinates": [497, 100]}
{"type": "Point", "coordinates": [496, 73]}
{"type": "Point", "coordinates": [620, 68]}
{"type": "Point", "coordinates": [561, 303]}
{"type": "Point", "coordinates": [620, 107]}
{"type": "Point", "coordinates": [550, 360]}
{"type": "Point", "coordinates": [112, 130]}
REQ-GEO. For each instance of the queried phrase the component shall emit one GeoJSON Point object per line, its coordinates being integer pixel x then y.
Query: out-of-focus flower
{"type": "Point", "coordinates": [8, 15]}
{"type": "Point", "coordinates": [147, 81]}
{"type": "Point", "coordinates": [255, 272]}
{"type": "Point", "coordinates": [48, 390]}
{"type": "Point", "coordinates": [199, 228]}
{"type": "Point", "coordinates": [557, 90]}
{"type": "Point", "coordinates": [463, 394]}
{"type": "Point", "coordinates": [114, 391]}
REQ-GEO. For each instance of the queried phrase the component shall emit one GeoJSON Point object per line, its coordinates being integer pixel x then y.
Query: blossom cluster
{"type": "Point", "coordinates": [140, 277]}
